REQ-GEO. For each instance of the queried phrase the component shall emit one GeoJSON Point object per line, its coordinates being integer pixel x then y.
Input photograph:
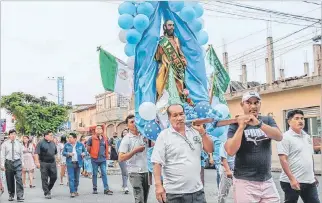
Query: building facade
{"type": "Point", "coordinates": [279, 98]}
{"type": "Point", "coordinates": [111, 111]}
{"type": "Point", "coordinates": [83, 118]}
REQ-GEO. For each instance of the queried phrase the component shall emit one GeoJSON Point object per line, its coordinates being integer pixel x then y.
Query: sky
{"type": "Point", "coordinates": [51, 39]}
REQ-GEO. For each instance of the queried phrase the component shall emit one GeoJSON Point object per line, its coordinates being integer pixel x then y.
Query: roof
{"type": "Point", "coordinates": [238, 86]}
{"type": "Point", "coordinates": [84, 108]}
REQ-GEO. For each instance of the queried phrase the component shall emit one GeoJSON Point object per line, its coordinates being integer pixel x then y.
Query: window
{"type": "Point", "coordinates": [108, 102]}
{"type": "Point", "coordinates": [114, 101]}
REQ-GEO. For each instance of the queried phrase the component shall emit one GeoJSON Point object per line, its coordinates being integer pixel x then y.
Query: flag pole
{"type": "Point", "coordinates": [211, 93]}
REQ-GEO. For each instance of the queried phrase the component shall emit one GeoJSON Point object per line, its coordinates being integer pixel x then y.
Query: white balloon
{"type": "Point", "coordinates": [130, 62]}
{"type": "Point", "coordinates": [122, 35]}
{"type": "Point", "coordinates": [148, 111]}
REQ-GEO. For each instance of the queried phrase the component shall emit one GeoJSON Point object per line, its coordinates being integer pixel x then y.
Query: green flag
{"type": "Point", "coordinates": [116, 76]}
{"type": "Point", "coordinates": [221, 78]}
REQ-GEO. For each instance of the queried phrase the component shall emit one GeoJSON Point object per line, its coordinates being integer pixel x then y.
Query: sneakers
{"type": "Point", "coordinates": [76, 194]}
{"type": "Point", "coordinates": [108, 192]}
{"type": "Point", "coordinates": [95, 192]}
{"type": "Point", "coordinates": [125, 190]}
{"type": "Point", "coordinates": [72, 195]}
{"type": "Point", "coordinates": [20, 199]}
{"type": "Point", "coordinates": [10, 198]}
{"type": "Point", "coordinates": [48, 195]}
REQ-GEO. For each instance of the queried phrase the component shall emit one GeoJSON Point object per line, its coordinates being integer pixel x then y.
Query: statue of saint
{"type": "Point", "coordinates": [172, 65]}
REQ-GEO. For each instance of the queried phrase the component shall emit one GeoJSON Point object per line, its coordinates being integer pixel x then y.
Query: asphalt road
{"type": "Point", "coordinates": [61, 193]}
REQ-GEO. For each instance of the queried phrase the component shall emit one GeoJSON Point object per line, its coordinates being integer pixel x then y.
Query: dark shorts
{"type": "Point", "coordinates": [196, 197]}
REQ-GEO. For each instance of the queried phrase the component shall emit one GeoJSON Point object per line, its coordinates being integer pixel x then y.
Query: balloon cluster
{"type": "Point", "coordinates": [134, 19]}
{"type": "Point", "coordinates": [191, 12]}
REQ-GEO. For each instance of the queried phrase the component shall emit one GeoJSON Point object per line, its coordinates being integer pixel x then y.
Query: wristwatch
{"type": "Point", "coordinates": [259, 124]}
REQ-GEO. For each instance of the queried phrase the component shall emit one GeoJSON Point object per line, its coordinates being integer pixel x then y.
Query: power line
{"type": "Point", "coordinates": [272, 11]}
{"type": "Point", "coordinates": [309, 2]}
{"type": "Point", "coordinates": [275, 41]}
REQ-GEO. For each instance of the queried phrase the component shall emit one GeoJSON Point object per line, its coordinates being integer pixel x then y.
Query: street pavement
{"type": "Point", "coordinates": [61, 193]}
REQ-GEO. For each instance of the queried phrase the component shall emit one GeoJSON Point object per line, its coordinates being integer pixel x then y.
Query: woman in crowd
{"type": "Point", "coordinates": [28, 161]}
{"type": "Point", "coordinates": [62, 159]}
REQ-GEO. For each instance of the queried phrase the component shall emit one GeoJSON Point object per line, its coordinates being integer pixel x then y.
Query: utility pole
{"type": "Point", "coordinates": [60, 89]}
{"type": "Point", "coordinates": [321, 99]}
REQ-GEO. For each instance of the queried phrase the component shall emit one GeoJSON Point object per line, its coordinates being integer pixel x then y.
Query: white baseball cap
{"type": "Point", "coordinates": [248, 95]}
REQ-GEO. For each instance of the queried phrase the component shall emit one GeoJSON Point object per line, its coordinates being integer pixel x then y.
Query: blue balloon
{"type": "Point", "coordinates": [133, 36]}
{"type": "Point", "coordinates": [176, 6]}
{"type": "Point", "coordinates": [216, 132]}
{"type": "Point", "coordinates": [125, 21]}
{"type": "Point", "coordinates": [195, 25]}
{"type": "Point", "coordinates": [141, 22]}
{"type": "Point", "coordinates": [152, 130]}
{"type": "Point", "coordinates": [202, 37]}
{"type": "Point", "coordinates": [223, 109]}
{"type": "Point", "coordinates": [127, 8]}
{"type": "Point", "coordinates": [145, 8]}
{"type": "Point", "coordinates": [129, 49]}
{"type": "Point", "coordinates": [190, 3]}
{"type": "Point", "coordinates": [188, 14]}
{"type": "Point", "coordinates": [153, 3]}
{"type": "Point", "coordinates": [202, 109]}
{"type": "Point", "coordinates": [198, 10]}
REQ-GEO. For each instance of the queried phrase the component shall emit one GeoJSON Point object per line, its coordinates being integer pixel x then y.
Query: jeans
{"type": "Point", "coordinates": [141, 187]}
{"type": "Point", "coordinates": [13, 174]}
{"type": "Point", "coordinates": [125, 174]}
{"type": "Point", "coordinates": [308, 193]}
{"type": "Point", "coordinates": [48, 170]}
{"type": "Point", "coordinates": [102, 166]}
{"type": "Point", "coordinates": [196, 197]}
{"type": "Point", "coordinates": [73, 171]}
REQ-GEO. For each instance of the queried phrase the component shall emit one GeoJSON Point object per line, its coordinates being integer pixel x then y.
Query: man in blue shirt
{"type": "Point", "coordinates": [74, 152]}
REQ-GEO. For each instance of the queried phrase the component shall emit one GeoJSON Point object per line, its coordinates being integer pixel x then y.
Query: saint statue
{"type": "Point", "coordinates": [172, 65]}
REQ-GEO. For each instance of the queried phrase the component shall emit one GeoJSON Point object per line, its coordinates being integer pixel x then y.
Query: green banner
{"type": "Point", "coordinates": [221, 77]}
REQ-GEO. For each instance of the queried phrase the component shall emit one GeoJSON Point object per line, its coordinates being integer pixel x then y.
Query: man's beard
{"type": "Point", "coordinates": [169, 32]}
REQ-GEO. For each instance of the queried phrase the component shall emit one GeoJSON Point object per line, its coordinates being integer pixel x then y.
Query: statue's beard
{"type": "Point", "coordinates": [169, 32]}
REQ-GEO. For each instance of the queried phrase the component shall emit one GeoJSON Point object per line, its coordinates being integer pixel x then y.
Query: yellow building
{"type": "Point", "coordinates": [279, 98]}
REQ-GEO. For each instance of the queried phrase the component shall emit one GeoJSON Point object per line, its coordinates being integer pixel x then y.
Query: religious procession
{"type": "Point", "coordinates": [182, 142]}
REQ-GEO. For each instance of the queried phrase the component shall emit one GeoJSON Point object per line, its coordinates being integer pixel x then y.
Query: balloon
{"type": "Point", "coordinates": [216, 132]}
{"type": "Point", "coordinates": [145, 8]}
{"type": "Point", "coordinates": [141, 22]}
{"type": "Point", "coordinates": [223, 109]}
{"type": "Point", "coordinates": [195, 25]}
{"type": "Point", "coordinates": [202, 22]}
{"type": "Point", "coordinates": [152, 130]}
{"type": "Point", "coordinates": [176, 6]}
{"type": "Point", "coordinates": [190, 3]}
{"type": "Point", "coordinates": [202, 109]}
{"type": "Point", "coordinates": [133, 36]}
{"type": "Point", "coordinates": [127, 8]}
{"type": "Point", "coordinates": [125, 21]}
{"type": "Point", "coordinates": [198, 10]}
{"type": "Point", "coordinates": [148, 111]}
{"type": "Point", "coordinates": [188, 14]}
{"type": "Point", "coordinates": [122, 35]}
{"type": "Point", "coordinates": [202, 37]}
{"type": "Point", "coordinates": [153, 3]}
{"type": "Point", "coordinates": [129, 49]}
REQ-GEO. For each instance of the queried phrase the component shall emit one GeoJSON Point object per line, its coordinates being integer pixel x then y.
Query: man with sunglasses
{"type": "Point", "coordinates": [250, 140]}
{"type": "Point", "coordinates": [177, 151]}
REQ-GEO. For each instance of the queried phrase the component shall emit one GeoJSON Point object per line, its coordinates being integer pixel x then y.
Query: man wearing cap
{"type": "Point", "coordinates": [250, 141]}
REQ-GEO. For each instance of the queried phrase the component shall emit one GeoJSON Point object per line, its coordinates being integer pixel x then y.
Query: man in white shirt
{"type": "Point", "coordinates": [296, 156]}
{"type": "Point", "coordinates": [133, 150]}
{"type": "Point", "coordinates": [12, 164]}
{"type": "Point", "coordinates": [177, 151]}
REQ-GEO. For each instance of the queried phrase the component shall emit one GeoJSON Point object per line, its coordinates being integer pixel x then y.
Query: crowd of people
{"type": "Point", "coordinates": [178, 159]}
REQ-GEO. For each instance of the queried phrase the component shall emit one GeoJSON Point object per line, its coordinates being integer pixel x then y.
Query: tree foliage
{"type": "Point", "coordinates": [34, 115]}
